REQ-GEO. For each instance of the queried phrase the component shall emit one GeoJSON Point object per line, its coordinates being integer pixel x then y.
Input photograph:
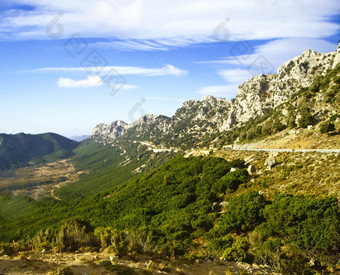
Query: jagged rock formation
{"type": "Point", "coordinates": [109, 132]}
{"type": "Point", "coordinates": [198, 118]}
{"type": "Point", "coordinates": [264, 92]}
{"type": "Point", "coordinates": [147, 126]}
{"type": "Point", "coordinates": [194, 120]}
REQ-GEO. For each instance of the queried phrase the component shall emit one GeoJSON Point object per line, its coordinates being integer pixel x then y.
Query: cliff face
{"type": "Point", "coordinates": [263, 92]}
{"type": "Point", "coordinates": [197, 118]}
{"type": "Point", "coordinates": [146, 127]}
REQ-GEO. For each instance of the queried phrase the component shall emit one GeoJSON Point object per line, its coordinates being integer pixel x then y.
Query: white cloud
{"type": "Point", "coordinates": [122, 70]}
{"type": "Point", "coordinates": [176, 22]}
{"type": "Point", "coordinates": [275, 52]}
{"type": "Point", "coordinates": [91, 81]}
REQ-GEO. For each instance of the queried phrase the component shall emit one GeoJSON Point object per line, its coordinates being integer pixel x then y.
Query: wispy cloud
{"type": "Point", "coordinates": [151, 45]}
{"type": "Point", "coordinates": [236, 76]}
{"type": "Point", "coordinates": [276, 52]}
{"type": "Point", "coordinates": [232, 77]}
{"type": "Point", "coordinates": [91, 81]}
{"type": "Point", "coordinates": [164, 22]}
{"type": "Point", "coordinates": [123, 70]}
{"type": "Point", "coordinates": [273, 53]}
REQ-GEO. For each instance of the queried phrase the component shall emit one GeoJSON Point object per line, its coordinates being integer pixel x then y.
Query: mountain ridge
{"type": "Point", "coordinates": [197, 119]}
{"type": "Point", "coordinates": [22, 149]}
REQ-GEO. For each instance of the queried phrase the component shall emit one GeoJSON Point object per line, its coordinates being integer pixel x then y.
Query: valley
{"type": "Point", "coordinates": [247, 186]}
{"type": "Point", "coordinates": [39, 181]}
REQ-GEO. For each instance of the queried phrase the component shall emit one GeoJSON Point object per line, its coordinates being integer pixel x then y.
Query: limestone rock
{"type": "Point", "coordinates": [337, 57]}
{"type": "Point", "coordinates": [197, 118]}
{"type": "Point", "coordinates": [251, 169]}
{"type": "Point", "coordinates": [270, 162]}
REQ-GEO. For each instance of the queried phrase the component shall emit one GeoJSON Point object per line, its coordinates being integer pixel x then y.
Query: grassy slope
{"type": "Point", "coordinates": [104, 167]}
{"type": "Point", "coordinates": [108, 166]}
{"type": "Point", "coordinates": [178, 204]}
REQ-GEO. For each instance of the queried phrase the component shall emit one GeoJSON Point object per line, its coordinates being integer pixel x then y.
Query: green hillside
{"type": "Point", "coordinates": [23, 149]}
{"type": "Point", "coordinates": [189, 207]}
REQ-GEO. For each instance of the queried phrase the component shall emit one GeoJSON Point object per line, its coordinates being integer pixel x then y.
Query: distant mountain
{"type": "Point", "coordinates": [303, 92]}
{"type": "Point", "coordinates": [24, 149]}
{"type": "Point", "coordinates": [79, 138]}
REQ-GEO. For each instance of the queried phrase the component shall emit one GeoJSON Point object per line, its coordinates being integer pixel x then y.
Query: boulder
{"type": "Point", "coordinates": [251, 169]}
{"type": "Point", "coordinates": [270, 162]}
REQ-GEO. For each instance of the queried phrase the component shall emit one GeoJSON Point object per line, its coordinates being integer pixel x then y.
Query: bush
{"type": "Point", "coordinates": [327, 127]}
{"type": "Point", "coordinates": [305, 120]}
{"type": "Point", "coordinates": [220, 244]}
{"type": "Point", "coordinates": [238, 252]}
{"type": "Point", "coordinates": [231, 181]}
{"type": "Point", "coordinates": [311, 224]}
{"type": "Point", "coordinates": [244, 213]}
{"type": "Point", "coordinates": [74, 234]}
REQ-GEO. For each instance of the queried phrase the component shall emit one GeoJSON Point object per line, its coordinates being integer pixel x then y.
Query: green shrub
{"type": "Point", "coordinates": [326, 127]}
{"type": "Point", "coordinates": [305, 120]}
{"type": "Point", "coordinates": [243, 214]}
{"type": "Point", "coordinates": [220, 244]}
{"type": "Point", "coordinates": [238, 252]}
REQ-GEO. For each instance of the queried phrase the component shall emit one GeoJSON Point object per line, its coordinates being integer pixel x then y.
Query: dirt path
{"type": "Point", "coordinates": [101, 263]}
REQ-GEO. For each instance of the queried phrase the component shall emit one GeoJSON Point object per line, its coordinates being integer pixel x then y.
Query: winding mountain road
{"type": "Point", "coordinates": [324, 151]}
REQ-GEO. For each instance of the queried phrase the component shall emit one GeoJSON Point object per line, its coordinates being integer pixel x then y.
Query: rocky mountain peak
{"type": "Point", "coordinates": [255, 97]}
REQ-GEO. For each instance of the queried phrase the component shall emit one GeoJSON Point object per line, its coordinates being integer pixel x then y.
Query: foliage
{"type": "Point", "coordinates": [176, 210]}
{"type": "Point", "coordinates": [238, 252]}
{"type": "Point", "coordinates": [309, 224]}
{"type": "Point", "coordinates": [244, 212]}
{"type": "Point", "coordinates": [24, 149]}
{"type": "Point", "coordinates": [327, 127]}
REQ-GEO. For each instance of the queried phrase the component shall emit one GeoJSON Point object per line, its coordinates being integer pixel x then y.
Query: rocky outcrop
{"type": "Point", "coordinates": [106, 133]}
{"type": "Point", "coordinates": [251, 169]}
{"type": "Point", "coordinates": [194, 116]}
{"type": "Point", "coordinates": [271, 161]}
{"type": "Point", "coordinates": [197, 118]}
{"type": "Point", "coordinates": [263, 92]}
{"type": "Point", "coordinates": [147, 125]}
{"type": "Point", "coordinates": [336, 60]}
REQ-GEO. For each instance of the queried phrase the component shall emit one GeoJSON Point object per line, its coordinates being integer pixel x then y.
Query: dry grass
{"type": "Point", "coordinates": [300, 139]}
{"type": "Point", "coordinates": [39, 181]}
{"type": "Point", "coordinates": [296, 173]}
{"type": "Point", "coordinates": [99, 263]}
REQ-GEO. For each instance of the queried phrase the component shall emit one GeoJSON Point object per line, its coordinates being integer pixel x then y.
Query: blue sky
{"type": "Point", "coordinates": [69, 65]}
